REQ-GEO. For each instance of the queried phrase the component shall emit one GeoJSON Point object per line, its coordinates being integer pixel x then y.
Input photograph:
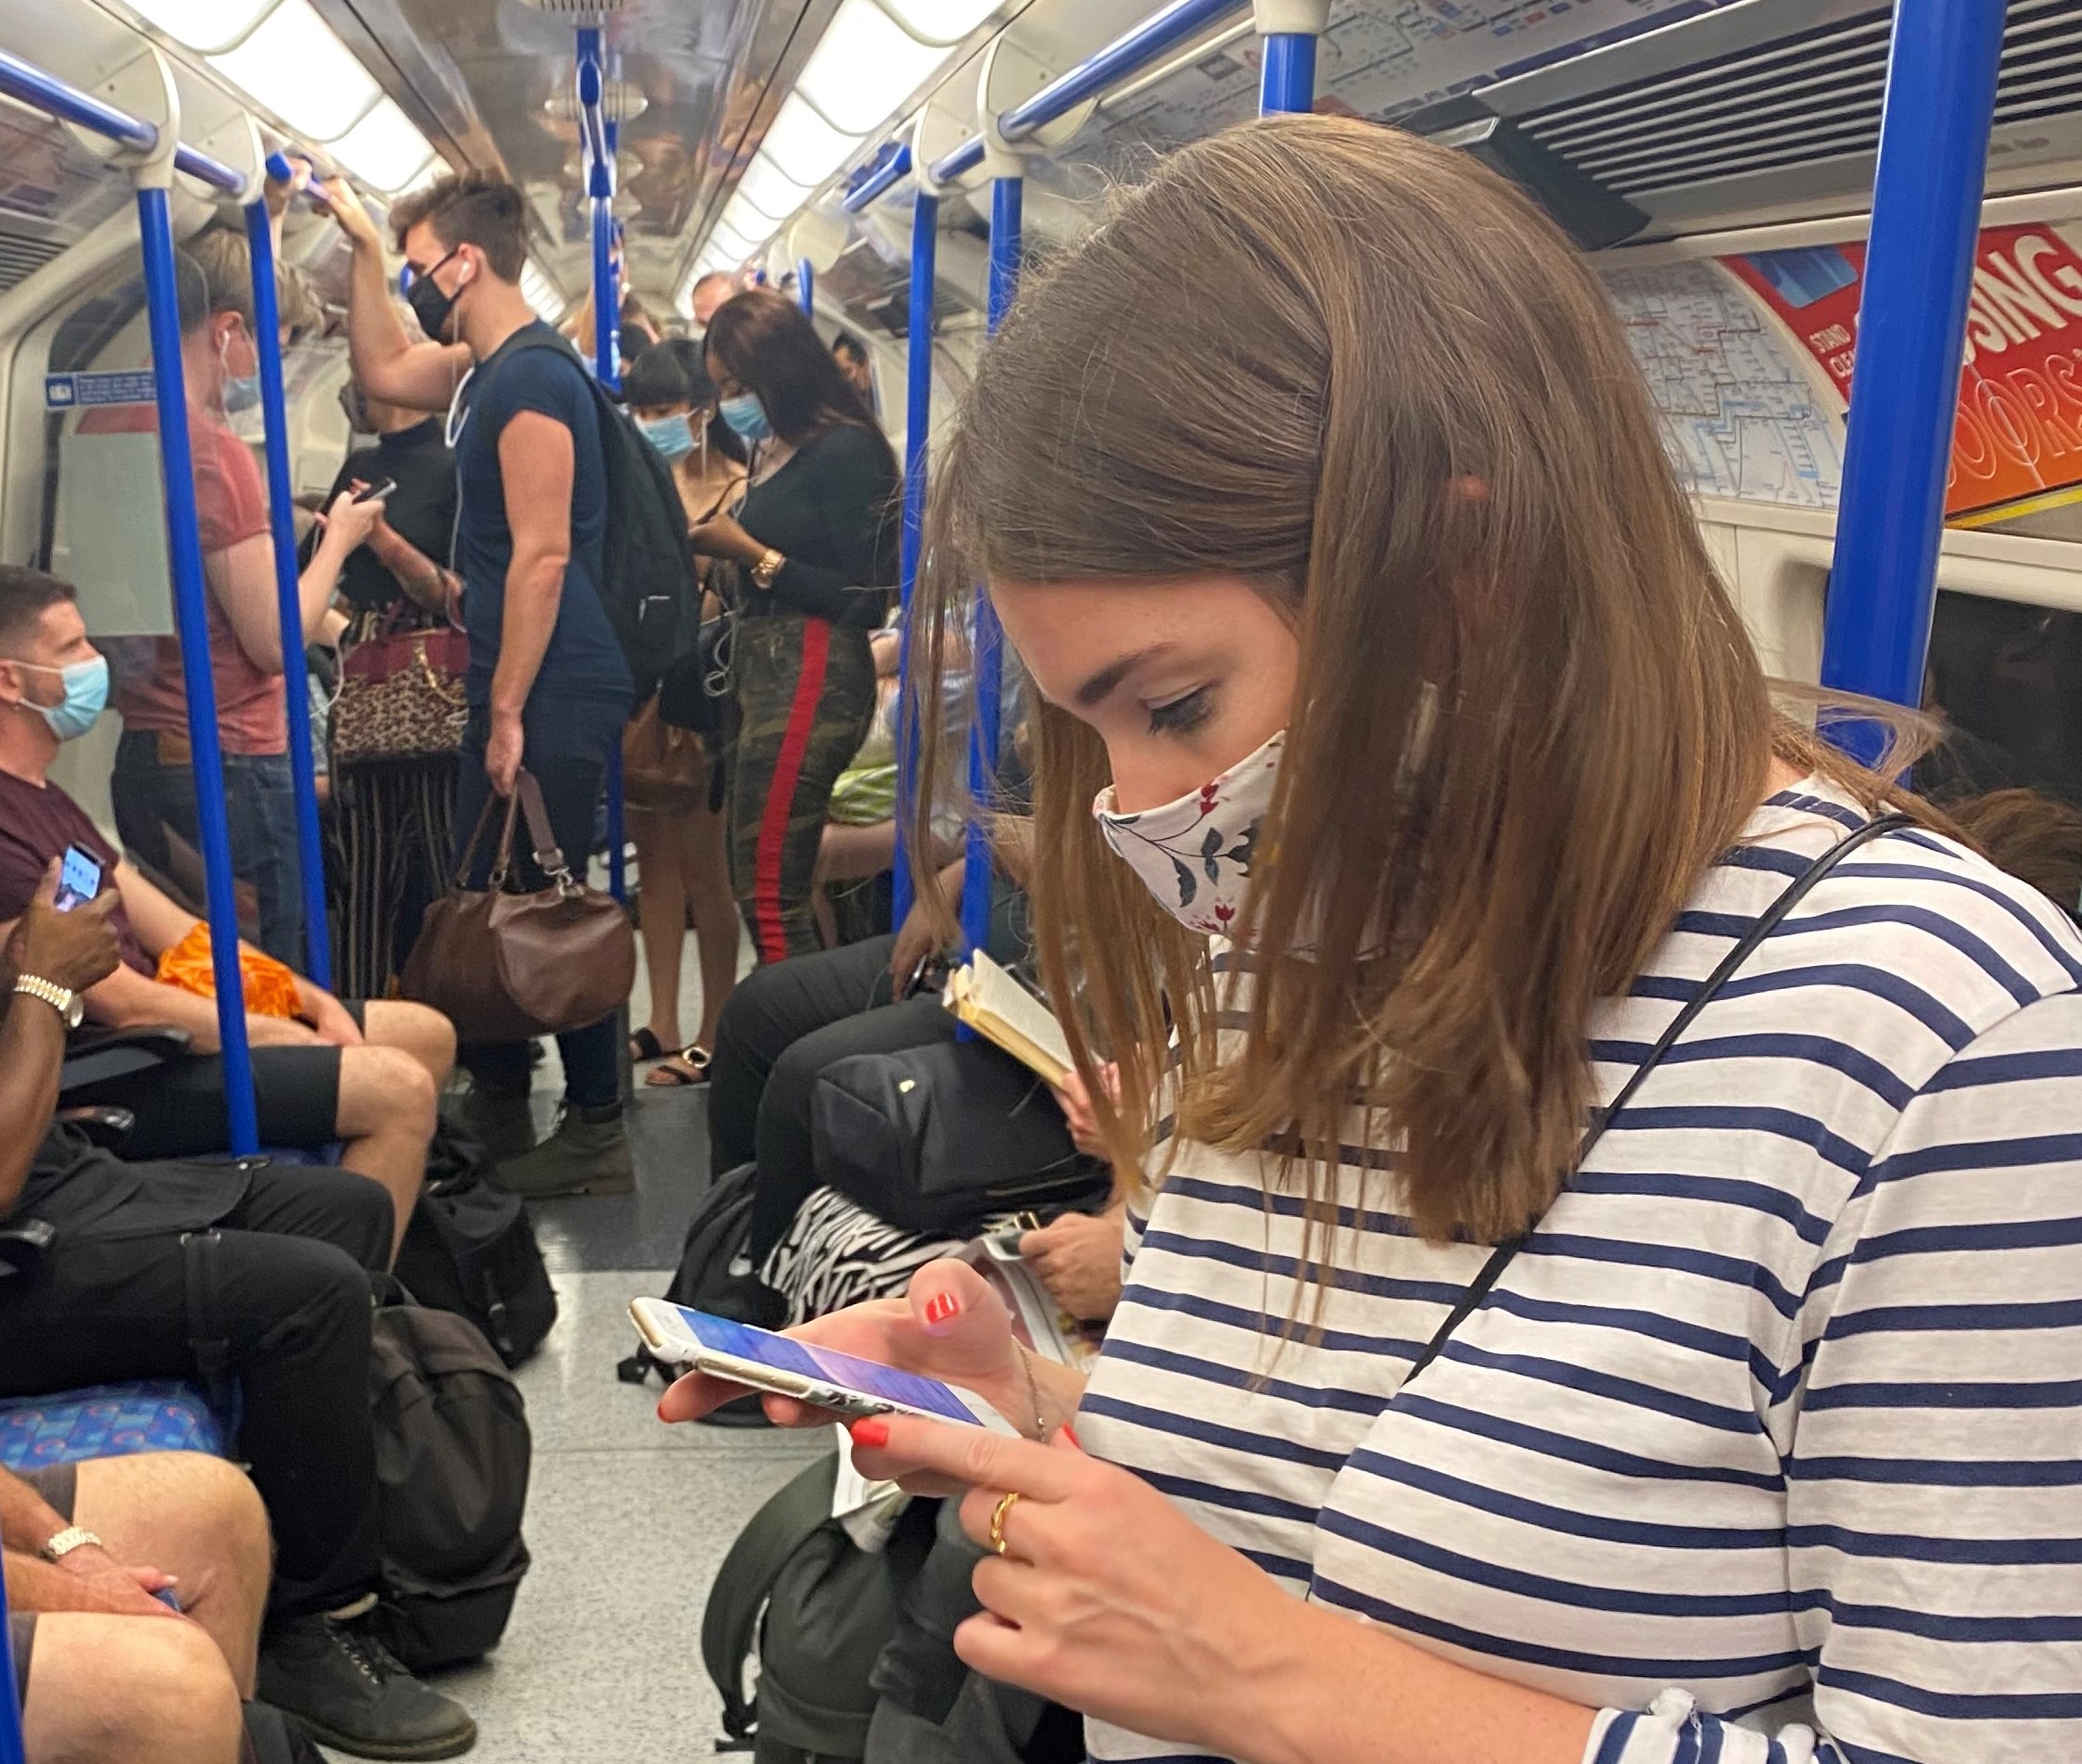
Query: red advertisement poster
{"type": "Point", "coordinates": [2018, 433]}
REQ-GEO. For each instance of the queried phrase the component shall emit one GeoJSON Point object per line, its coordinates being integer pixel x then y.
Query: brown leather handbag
{"type": "Point", "coordinates": [506, 966]}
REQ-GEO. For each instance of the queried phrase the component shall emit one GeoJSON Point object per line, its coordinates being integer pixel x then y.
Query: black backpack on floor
{"type": "Point", "coordinates": [715, 1275]}
{"type": "Point", "coordinates": [648, 566]}
{"type": "Point", "coordinates": [471, 1249]}
{"type": "Point", "coordinates": [817, 1611]}
{"type": "Point", "coordinates": [453, 1448]}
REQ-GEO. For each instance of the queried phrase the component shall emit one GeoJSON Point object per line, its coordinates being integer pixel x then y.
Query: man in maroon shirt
{"type": "Point", "coordinates": [367, 1074]}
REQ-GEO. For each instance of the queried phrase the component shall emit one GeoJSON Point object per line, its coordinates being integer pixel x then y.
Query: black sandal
{"type": "Point", "coordinates": [683, 1071]}
{"type": "Point", "coordinates": [643, 1045]}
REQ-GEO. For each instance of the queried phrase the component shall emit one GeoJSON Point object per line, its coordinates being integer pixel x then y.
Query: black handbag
{"type": "Point", "coordinates": [935, 1139]}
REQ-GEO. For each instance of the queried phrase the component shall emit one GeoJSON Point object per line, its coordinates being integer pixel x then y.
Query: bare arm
{"type": "Point", "coordinates": [388, 365]}
{"type": "Point", "coordinates": [425, 581]}
{"type": "Point", "coordinates": [535, 459]}
{"type": "Point", "coordinates": [242, 579]}
{"type": "Point", "coordinates": [31, 1050]}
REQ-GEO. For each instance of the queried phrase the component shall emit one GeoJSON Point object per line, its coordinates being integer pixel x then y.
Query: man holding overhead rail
{"type": "Point", "coordinates": [548, 685]}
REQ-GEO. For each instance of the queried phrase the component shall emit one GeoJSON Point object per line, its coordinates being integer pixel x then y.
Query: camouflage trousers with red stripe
{"type": "Point", "coordinates": [806, 692]}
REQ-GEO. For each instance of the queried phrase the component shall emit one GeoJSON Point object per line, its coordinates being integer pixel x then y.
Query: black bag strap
{"type": "Point", "coordinates": [730, 1624]}
{"type": "Point", "coordinates": [211, 1345]}
{"type": "Point", "coordinates": [1768, 921]}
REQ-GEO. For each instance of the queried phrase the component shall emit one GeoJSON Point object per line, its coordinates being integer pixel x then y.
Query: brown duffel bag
{"type": "Point", "coordinates": [506, 966]}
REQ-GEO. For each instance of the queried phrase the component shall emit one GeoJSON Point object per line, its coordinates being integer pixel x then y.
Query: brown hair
{"type": "Point", "coordinates": [219, 277]}
{"type": "Point", "coordinates": [470, 208]}
{"type": "Point", "coordinates": [1367, 375]}
{"type": "Point", "coordinates": [2037, 838]}
{"type": "Point", "coordinates": [25, 596]}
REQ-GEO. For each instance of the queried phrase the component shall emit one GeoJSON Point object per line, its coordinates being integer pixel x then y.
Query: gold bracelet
{"type": "Point", "coordinates": [1033, 1391]}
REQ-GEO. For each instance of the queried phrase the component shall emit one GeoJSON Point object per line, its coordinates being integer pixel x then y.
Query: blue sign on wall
{"type": "Point", "coordinates": [74, 391]}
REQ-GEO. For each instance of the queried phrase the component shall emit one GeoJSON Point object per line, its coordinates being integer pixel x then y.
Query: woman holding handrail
{"type": "Point", "coordinates": [1607, 1282]}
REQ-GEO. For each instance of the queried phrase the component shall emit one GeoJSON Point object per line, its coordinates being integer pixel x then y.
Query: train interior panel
{"type": "Point", "coordinates": [1714, 158]}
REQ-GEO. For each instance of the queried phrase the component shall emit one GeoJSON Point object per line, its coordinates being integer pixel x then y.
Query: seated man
{"type": "Point", "coordinates": [105, 1671]}
{"type": "Point", "coordinates": [96, 1291]}
{"type": "Point", "coordinates": [368, 1075]}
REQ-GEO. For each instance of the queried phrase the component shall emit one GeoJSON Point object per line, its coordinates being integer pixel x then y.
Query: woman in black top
{"type": "Point", "coordinates": [391, 827]}
{"type": "Point", "coordinates": [813, 548]}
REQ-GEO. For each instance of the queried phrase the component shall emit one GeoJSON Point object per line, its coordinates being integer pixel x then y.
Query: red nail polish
{"type": "Point", "coordinates": [871, 1431]}
{"type": "Point", "coordinates": [941, 1309]}
{"type": "Point", "coordinates": [1069, 1433]}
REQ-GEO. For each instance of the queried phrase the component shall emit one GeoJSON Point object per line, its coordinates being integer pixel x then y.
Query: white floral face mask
{"type": "Point", "coordinates": [1195, 853]}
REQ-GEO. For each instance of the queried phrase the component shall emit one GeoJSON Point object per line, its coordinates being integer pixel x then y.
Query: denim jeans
{"type": "Point", "coordinates": [156, 802]}
{"type": "Point", "coordinates": [566, 749]}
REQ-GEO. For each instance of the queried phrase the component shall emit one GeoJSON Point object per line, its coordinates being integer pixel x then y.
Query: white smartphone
{"type": "Point", "coordinates": [695, 1341]}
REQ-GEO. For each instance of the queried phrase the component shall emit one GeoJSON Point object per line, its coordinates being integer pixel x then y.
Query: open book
{"type": "Point", "coordinates": [997, 1007]}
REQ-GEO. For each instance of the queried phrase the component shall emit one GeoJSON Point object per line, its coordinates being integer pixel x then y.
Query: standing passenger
{"type": "Point", "coordinates": [548, 685]}
{"type": "Point", "coordinates": [153, 786]}
{"type": "Point", "coordinates": [815, 547]}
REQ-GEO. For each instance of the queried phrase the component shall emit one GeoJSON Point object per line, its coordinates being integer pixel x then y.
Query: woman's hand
{"type": "Point", "coordinates": [1078, 1258]}
{"type": "Point", "coordinates": [949, 1325]}
{"type": "Point", "coordinates": [1108, 1599]}
{"type": "Point", "coordinates": [723, 537]}
{"type": "Point", "coordinates": [1076, 1104]}
{"type": "Point", "coordinates": [347, 522]}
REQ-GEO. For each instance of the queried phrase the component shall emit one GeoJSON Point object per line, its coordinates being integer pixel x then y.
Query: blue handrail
{"type": "Point", "coordinates": [1006, 216]}
{"type": "Point", "coordinates": [1155, 37]}
{"type": "Point", "coordinates": [1926, 215]}
{"type": "Point", "coordinates": [1288, 81]}
{"type": "Point", "coordinates": [918, 424]}
{"type": "Point", "coordinates": [45, 92]}
{"type": "Point", "coordinates": [892, 170]}
{"type": "Point", "coordinates": [296, 684]}
{"type": "Point", "coordinates": [192, 621]}
{"type": "Point", "coordinates": [805, 286]}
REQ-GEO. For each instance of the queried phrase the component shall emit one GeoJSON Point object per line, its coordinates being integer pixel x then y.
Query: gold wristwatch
{"type": "Point", "coordinates": [68, 1004]}
{"type": "Point", "coordinates": [766, 568]}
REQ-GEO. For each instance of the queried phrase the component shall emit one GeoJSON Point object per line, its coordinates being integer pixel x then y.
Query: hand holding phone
{"type": "Point", "coordinates": [692, 1340]}
{"type": "Point", "coordinates": [79, 880]}
{"type": "Point", "coordinates": [378, 492]}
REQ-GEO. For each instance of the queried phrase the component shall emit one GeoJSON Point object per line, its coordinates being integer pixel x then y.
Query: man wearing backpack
{"type": "Point", "coordinates": [549, 685]}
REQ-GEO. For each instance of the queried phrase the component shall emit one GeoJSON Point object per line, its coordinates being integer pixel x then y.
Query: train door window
{"type": "Point", "coordinates": [2007, 677]}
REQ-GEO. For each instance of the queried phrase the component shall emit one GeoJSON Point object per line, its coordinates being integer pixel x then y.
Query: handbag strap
{"type": "Point", "coordinates": [549, 856]}
{"type": "Point", "coordinates": [469, 855]}
{"type": "Point", "coordinates": [1771, 917]}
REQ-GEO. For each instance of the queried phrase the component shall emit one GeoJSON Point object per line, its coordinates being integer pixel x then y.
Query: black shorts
{"type": "Point", "coordinates": [58, 1485]}
{"type": "Point", "coordinates": [180, 1105]}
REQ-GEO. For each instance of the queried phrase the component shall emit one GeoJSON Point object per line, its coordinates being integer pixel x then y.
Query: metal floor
{"type": "Point", "coordinates": [627, 1518]}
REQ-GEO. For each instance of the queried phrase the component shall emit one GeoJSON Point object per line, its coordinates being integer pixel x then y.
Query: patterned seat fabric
{"type": "Point", "coordinates": [107, 1421]}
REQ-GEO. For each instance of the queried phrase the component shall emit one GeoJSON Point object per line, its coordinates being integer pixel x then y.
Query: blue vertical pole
{"type": "Point", "coordinates": [192, 621]}
{"type": "Point", "coordinates": [295, 689]}
{"type": "Point", "coordinates": [918, 423]}
{"type": "Point", "coordinates": [1006, 207]}
{"type": "Point", "coordinates": [10, 1711]}
{"type": "Point", "coordinates": [1927, 216]}
{"type": "Point", "coordinates": [1288, 77]}
{"type": "Point", "coordinates": [805, 286]}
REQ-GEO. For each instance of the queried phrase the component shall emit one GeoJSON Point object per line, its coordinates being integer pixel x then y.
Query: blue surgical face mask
{"type": "Point", "coordinates": [747, 416]}
{"type": "Point", "coordinates": [672, 436]}
{"type": "Point", "coordinates": [241, 391]}
{"type": "Point", "coordinates": [86, 696]}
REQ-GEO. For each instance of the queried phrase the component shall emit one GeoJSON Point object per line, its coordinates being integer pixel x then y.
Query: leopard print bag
{"type": "Point", "coordinates": [401, 697]}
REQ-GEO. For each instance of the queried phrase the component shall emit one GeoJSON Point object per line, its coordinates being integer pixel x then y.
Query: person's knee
{"type": "Point", "coordinates": [225, 1509]}
{"type": "Point", "coordinates": [424, 1034]}
{"type": "Point", "coordinates": [385, 1089]}
{"type": "Point", "coordinates": [141, 1687]}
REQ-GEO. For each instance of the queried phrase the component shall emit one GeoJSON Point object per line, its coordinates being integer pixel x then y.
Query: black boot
{"type": "Point", "coordinates": [344, 1685]}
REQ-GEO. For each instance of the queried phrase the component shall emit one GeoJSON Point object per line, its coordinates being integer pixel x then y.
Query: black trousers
{"type": "Point", "coordinates": [293, 1300]}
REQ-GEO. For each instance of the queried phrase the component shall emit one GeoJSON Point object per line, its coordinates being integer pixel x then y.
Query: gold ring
{"type": "Point", "coordinates": [998, 1520]}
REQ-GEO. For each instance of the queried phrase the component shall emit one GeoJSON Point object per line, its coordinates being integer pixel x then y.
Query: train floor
{"type": "Point", "coordinates": [627, 1520]}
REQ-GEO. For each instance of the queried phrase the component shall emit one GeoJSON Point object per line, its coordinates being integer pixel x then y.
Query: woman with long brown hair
{"type": "Point", "coordinates": [1491, 1382]}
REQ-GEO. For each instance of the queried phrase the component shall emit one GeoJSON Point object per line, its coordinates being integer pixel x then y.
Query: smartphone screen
{"type": "Point", "coordinates": [762, 1347]}
{"type": "Point", "coordinates": [79, 880]}
{"type": "Point", "coordinates": [378, 492]}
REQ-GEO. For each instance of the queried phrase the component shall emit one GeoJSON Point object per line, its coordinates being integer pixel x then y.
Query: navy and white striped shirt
{"type": "Point", "coordinates": [1768, 1444]}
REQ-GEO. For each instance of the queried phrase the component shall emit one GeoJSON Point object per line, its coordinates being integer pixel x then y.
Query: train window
{"type": "Point", "coordinates": [2007, 676]}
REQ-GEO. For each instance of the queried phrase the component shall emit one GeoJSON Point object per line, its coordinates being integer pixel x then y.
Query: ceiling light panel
{"type": "Point", "coordinates": [296, 67]}
{"type": "Point", "coordinates": [768, 190]}
{"type": "Point", "coordinates": [208, 25]}
{"type": "Point", "coordinates": [865, 59]}
{"type": "Point", "coordinates": [804, 147]}
{"type": "Point", "coordinates": [384, 150]}
{"type": "Point", "coordinates": [941, 21]}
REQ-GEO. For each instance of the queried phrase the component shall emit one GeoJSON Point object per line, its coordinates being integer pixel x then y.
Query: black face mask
{"type": "Point", "coordinates": [430, 306]}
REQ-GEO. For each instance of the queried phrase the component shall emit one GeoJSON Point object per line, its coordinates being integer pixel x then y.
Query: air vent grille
{"type": "Point", "coordinates": [21, 256]}
{"type": "Point", "coordinates": [578, 10]}
{"type": "Point", "coordinates": [1804, 99]}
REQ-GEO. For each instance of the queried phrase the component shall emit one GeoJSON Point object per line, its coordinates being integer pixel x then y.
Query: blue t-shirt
{"type": "Point", "coordinates": [584, 659]}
